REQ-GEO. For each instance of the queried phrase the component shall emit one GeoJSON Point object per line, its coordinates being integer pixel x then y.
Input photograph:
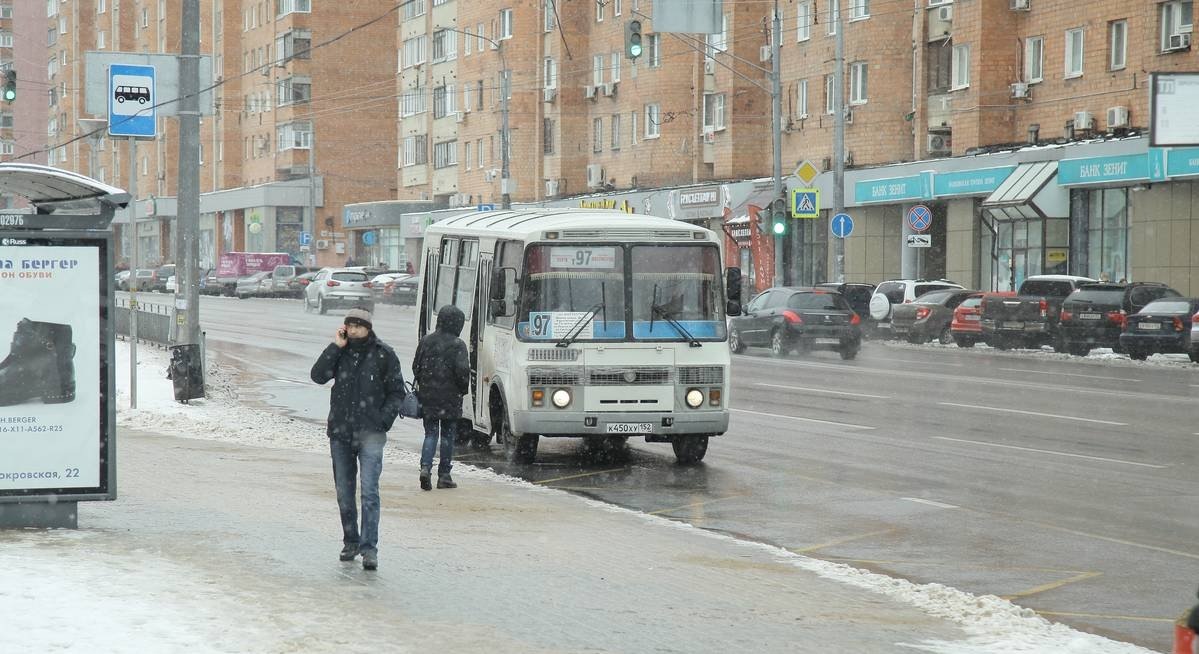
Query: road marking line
{"type": "Point", "coordinates": [582, 474]}
{"type": "Point", "coordinates": [1136, 618]}
{"type": "Point", "coordinates": [1068, 374]}
{"type": "Point", "coordinates": [825, 390]}
{"type": "Point", "coordinates": [1118, 541]}
{"type": "Point", "coordinates": [822, 422]}
{"type": "Point", "coordinates": [918, 363]}
{"type": "Point", "coordinates": [1053, 585]}
{"type": "Point", "coordinates": [1034, 413]}
{"type": "Point", "coordinates": [1031, 449]}
{"type": "Point", "coordinates": [695, 504]}
{"type": "Point", "coordinates": [839, 541]}
{"type": "Point", "coordinates": [939, 505]}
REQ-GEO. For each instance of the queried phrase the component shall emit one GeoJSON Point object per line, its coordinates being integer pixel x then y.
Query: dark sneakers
{"type": "Point", "coordinates": [426, 480]}
{"type": "Point", "coordinates": [370, 561]}
{"type": "Point", "coordinates": [348, 553]}
{"type": "Point", "coordinates": [445, 482]}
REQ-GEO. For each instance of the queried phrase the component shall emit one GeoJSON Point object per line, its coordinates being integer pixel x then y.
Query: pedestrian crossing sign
{"type": "Point", "coordinates": [805, 203]}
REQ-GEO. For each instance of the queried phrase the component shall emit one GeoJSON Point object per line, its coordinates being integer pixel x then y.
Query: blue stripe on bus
{"type": "Point", "coordinates": [663, 329]}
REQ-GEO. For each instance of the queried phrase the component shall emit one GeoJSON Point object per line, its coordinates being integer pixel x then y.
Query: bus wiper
{"type": "Point", "coordinates": [668, 316]}
{"type": "Point", "coordinates": [577, 328]}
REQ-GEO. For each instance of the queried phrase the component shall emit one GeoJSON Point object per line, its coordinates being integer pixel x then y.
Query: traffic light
{"type": "Point", "coordinates": [632, 39]}
{"type": "Point", "coordinates": [10, 85]}
{"type": "Point", "coordinates": [778, 217]}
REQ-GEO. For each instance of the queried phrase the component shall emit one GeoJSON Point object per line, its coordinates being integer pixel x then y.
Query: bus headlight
{"type": "Point", "coordinates": [561, 398]}
{"type": "Point", "coordinates": [695, 398]}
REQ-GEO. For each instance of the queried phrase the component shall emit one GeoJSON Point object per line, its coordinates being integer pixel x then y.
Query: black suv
{"type": "Point", "coordinates": [1094, 315]}
{"type": "Point", "coordinates": [159, 281]}
{"type": "Point", "coordinates": [803, 319]}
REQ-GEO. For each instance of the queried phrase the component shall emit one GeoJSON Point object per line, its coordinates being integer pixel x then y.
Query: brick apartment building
{"type": "Point", "coordinates": [948, 104]}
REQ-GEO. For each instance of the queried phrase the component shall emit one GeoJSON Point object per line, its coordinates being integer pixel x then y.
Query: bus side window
{"type": "Point", "coordinates": [508, 255]}
{"type": "Point", "coordinates": [446, 273]}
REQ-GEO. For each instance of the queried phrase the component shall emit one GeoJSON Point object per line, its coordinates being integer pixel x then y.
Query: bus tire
{"type": "Point", "coordinates": [519, 449]}
{"type": "Point", "coordinates": [689, 450]}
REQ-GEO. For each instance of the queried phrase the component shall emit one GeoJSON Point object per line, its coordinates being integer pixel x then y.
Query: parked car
{"type": "Point", "coordinates": [120, 281]}
{"type": "Point", "coordinates": [208, 283]}
{"type": "Point", "coordinates": [333, 288]}
{"type": "Point", "coordinates": [158, 281]}
{"type": "Point", "coordinates": [281, 278]}
{"type": "Point", "coordinates": [928, 317]}
{"type": "Point", "coordinates": [144, 278]}
{"type": "Point", "coordinates": [1030, 319]}
{"type": "Point", "coordinates": [1095, 314]}
{"type": "Point", "coordinates": [379, 282]}
{"type": "Point", "coordinates": [803, 319]}
{"type": "Point", "coordinates": [1168, 325]}
{"type": "Point", "coordinates": [172, 284]}
{"type": "Point", "coordinates": [257, 285]}
{"type": "Point", "coordinates": [966, 326]}
{"type": "Point", "coordinates": [401, 290]}
{"type": "Point", "coordinates": [901, 291]}
{"type": "Point", "coordinates": [856, 294]}
{"type": "Point", "coordinates": [295, 285]}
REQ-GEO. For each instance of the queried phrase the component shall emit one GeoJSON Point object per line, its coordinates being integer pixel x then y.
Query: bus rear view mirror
{"type": "Point", "coordinates": [732, 308]}
{"type": "Point", "coordinates": [732, 285]}
{"type": "Point", "coordinates": [501, 278]}
{"type": "Point", "coordinates": [499, 308]}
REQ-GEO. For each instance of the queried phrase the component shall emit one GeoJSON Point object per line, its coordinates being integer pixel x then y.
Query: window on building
{"type": "Point", "coordinates": [416, 150]}
{"type": "Point", "coordinates": [481, 38]}
{"type": "Point", "coordinates": [633, 127]}
{"type": "Point", "coordinates": [1074, 53]}
{"type": "Point", "coordinates": [1118, 44]}
{"type": "Point", "coordinates": [961, 66]}
{"type": "Point", "coordinates": [653, 121]}
{"type": "Point", "coordinates": [294, 90]}
{"type": "Point", "coordinates": [467, 40]}
{"type": "Point", "coordinates": [940, 66]}
{"type": "Point", "coordinates": [479, 94]}
{"type": "Point", "coordinates": [859, 9]}
{"type": "Point", "coordinates": [1176, 17]}
{"type": "Point", "coordinates": [414, 51]}
{"type": "Point", "coordinates": [1107, 234]}
{"type": "Point", "coordinates": [1034, 59]}
{"type": "Point", "coordinates": [468, 99]}
{"type": "Point", "coordinates": [803, 20]}
{"type": "Point", "coordinates": [52, 36]}
{"type": "Point", "coordinates": [100, 7]}
{"type": "Point", "coordinates": [101, 39]}
{"type": "Point", "coordinates": [615, 59]}
{"type": "Point", "coordinates": [445, 154]}
{"type": "Point", "coordinates": [51, 8]}
{"type": "Point", "coordinates": [813, 248]}
{"type": "Point", "coordinates": [858, 78]}
{"type": "Point", "coordinates": [412, 9]}
{"type": "Point", "coordinates": [479, 151]}
{"type": "Point", "coordinates": [5, 11]}
{"type": "Point", "coordinates": [549, 21]}
{"type": "Point", "coordinates": [443, 101]}
{"type": "Point", "coordinates": [714, 111]}
{"type": "Point", "coordinates": [296, 135]}
{"type": "Point", "coordinates": [801, 100]}
{"type": "Point", "coordinates": [412, 102]}
{"type": "Point", "coordinates": [830, 102]}
{"type": "Point", "coordinates": [597, 134]}
{"type": "Point", "coordinates": [615, 143]}
{"type": "Point", "coordinates": [5, 39]}
{"type": "Point", "coordinates": [597, 70]}
{"type": "Point", "coordinates": [653, 50]}
{"type": "Point", "coordinates": [293, 45]}
{"type": "Point", "coordinates": [9, 147]}
{"type": "Point", "coordinates": [444, 45]}
{"type": "Point", "coordinates": [466, 158]}
{"type": "Point", "coordinates": [719, 42]}
{"type": "Point", "coordinates": [284, 7]}
{"type": "Point", "coordinates": [834, 15]}
{"type": "Point", "coordinates": [547, 136]}
{"type": "Point", "coordinates": [549, 73]}
{"type": "Point", "coordinates": [505, 24]}
{"type": "Point", "coordinates": [599, 10]}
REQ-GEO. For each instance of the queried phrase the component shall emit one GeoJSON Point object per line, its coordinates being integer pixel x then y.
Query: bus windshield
{"type": "Point", "coordinates": [677, 286]}
{"type": "Point", "coordinates": [573, 291]}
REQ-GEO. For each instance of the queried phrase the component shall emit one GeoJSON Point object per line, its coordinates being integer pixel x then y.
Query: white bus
{"type": "Point", "coordinates": [585, 323]}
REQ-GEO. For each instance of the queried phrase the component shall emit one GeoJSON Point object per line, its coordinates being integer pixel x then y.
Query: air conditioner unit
{"type": "Point", "coordinates": [489, 175]}
{"type": "Point", "coordinates": [709, 137]}
{"type": "Point", "coordinates": [551, 187]}
{"type": "Point", "coordinates": [848, 115]}
{"type": "Point", "coordinates": [459, 117]}
{"type": "Point", "coordinates": [322, 244]}
{"type": "Point", "coordinates": [945, 13]}
{"type": "Point", "coordinates": [764, 53]}
{"type": "Point", "coordinates": [1021, 5]}
{"type": "Point", "coordinates": [589, 92]}
{"type": "Point", "coordinates": [939, 143]}
{"type": "Point", "coordinates": [1083, 120]}
{"type": "Point", "coordinates": [709, 66]}
{"type": "Point", "coordinates": [595, 176]}
{"type": "Point", "coordinates": [1117, 117]}
{"type": "Point", "coordinates": [1020, 90]}
{"type": "Point", "coordinates": [1179, 42]}
{"type": "Point", "coordinates": [610, 89]}
{"type": "Point", "coordinates": [549, 95]}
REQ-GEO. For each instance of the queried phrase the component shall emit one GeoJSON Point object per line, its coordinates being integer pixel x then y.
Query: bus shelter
{"type": "Point", "coordinates": [57, 377]}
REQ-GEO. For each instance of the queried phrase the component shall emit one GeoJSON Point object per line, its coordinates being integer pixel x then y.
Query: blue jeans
{"type": "Point", "coordinates": [365, 452]}
{"type": "Point", "coordinates": [449, 430]}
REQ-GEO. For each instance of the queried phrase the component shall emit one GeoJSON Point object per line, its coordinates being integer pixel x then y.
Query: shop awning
{"type": "Point", "coordinates": [1031, 191]}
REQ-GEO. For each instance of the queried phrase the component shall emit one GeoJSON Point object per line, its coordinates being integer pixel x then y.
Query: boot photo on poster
{"type": "Point", "coordinates": [40, 366]}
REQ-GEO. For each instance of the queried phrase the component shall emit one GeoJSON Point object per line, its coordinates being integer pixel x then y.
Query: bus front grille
{"type": "Point", "coordinates": [555, 376]}
{"type": "Point", "coordinates": [701, 375]}
{"type": "Point", "coordinates": [626, 376]}
{"type": "Point", "coordinates": [553, 354]}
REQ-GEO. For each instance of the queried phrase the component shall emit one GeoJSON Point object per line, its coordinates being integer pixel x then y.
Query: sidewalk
{"type": "Point", "coordinates": [216, 545]}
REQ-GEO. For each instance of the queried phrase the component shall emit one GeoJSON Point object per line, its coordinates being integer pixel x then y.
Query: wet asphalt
{"type": "Point", "coordinates": [1065, 485]}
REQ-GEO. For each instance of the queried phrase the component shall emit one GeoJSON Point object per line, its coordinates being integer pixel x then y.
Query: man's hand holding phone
{"type": "Point", "coordinates": [340, 337]}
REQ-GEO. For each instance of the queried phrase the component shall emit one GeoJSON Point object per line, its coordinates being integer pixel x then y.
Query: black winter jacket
{"type": "Point", "coordinates": [441, 369]}
{"type": "Point", "coordinates": [368, 386]}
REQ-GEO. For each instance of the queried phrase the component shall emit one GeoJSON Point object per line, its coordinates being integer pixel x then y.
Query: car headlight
{"type": "Point", "coordinates": [695, 398]}
{"type": "Point", "coordinates": [561, 398]}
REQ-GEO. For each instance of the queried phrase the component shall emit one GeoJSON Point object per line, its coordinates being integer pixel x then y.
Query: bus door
{"type": "Point", "coordinates": [480, 356]}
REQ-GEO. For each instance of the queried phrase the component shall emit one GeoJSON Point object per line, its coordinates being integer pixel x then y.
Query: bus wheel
{"type": "Point", "coordinates": [519, 449]}
{"type": "Point", "coordinates": [690, 449]}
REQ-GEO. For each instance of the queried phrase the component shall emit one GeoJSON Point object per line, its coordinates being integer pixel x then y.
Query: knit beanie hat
{"type": "Point", "coordinates": [358, 317]}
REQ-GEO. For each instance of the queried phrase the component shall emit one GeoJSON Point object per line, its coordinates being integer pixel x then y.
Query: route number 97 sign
{"type": "Point", "coordinates": [583, 257]}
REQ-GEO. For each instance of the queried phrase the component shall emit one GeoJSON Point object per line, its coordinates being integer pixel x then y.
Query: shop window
{"type": "Point", "coordinates": [1107, 234]}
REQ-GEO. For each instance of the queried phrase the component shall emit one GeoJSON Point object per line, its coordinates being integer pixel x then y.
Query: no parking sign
{"type": "Point", "coordinates": [920, 218]}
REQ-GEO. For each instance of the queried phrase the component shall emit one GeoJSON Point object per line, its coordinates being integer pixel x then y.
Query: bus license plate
{"type": "Point", "coordinates": [630, 428]}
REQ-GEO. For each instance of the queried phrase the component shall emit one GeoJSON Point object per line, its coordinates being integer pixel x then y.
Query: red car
{"type": "Point", "coordinates": [966, 326]}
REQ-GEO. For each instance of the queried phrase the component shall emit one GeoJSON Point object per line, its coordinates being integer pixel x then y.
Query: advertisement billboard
{"type": "Point", "coordinates": [55, 393]}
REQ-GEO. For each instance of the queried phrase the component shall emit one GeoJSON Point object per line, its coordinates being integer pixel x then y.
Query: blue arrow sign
{"type": "Point", "coordinates": [131, 99]}
{"type": "Point", "coordinates": [841, 225]}
{"type": "Point", "coordinates": [920, 218]}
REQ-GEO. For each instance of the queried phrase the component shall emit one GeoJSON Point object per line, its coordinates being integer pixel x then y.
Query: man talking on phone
{"type": "Point", "coordinates": [368, 389]}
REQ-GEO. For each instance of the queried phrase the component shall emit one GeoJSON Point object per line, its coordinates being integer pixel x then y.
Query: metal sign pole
{"type": "Point", "coordinates": [133, 263]}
